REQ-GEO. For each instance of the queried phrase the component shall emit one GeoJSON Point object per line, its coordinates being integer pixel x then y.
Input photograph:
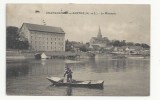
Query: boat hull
{"type": "Point", "coordinates": [87, 84]}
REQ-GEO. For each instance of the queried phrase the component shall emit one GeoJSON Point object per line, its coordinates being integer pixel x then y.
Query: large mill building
{"type": "Point", "coordinates": [43, 38]}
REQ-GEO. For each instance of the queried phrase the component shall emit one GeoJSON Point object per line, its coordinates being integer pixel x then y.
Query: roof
{"type": "Point", "coordinates": [43, 28]}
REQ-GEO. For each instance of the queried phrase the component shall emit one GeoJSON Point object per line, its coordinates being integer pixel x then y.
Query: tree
{"type": "Point", "coordinates": [130, 44]}
{"type": "Point", "coordinates": [116, 43]}
{"type": "Point", "coordinates": [13, 39]}
{"type": "Point", "coordinates": [145, 45]}
{"type": "Point", "coordinates": [123, 43]}
{"type": "Point", "coordinates": [137, 44]}
{"type": "Point", "coordinates": [67, 45]}
{"type": "Point", "coordinates": [12, 36]}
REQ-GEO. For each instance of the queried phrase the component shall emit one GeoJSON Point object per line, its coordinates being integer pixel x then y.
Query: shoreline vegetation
{"type": "Point", "coordinates": [18, 54]}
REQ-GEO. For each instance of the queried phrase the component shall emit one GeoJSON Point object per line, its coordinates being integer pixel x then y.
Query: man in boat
{"type": "Point", "coordinates": [68, 72]}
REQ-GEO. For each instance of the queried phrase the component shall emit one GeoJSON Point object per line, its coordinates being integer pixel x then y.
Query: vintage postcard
{"type": "Point", "coordinates": [78, 49]}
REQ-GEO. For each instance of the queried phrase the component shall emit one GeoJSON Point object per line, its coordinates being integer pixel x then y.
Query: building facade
{"type": "Point", "coordinates": [43, 38]}
{"type": "Point", "coordinates": [99, 41]}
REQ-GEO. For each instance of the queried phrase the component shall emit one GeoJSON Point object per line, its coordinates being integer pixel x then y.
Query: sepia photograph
{"type": "Point", "coordinates": [78, 49]}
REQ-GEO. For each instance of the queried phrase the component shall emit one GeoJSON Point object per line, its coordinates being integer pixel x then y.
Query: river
{"type": "Point", "coordinates": [122, 77]}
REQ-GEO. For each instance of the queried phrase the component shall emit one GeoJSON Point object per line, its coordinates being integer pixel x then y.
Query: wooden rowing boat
{"type": "Point", "coordinates": [89, 83]}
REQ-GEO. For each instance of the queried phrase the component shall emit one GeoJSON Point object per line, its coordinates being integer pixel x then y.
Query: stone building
{"type": "Point", "coordinates": [43, 38]}
{"type": "Point", "coordinates": [99, 41]}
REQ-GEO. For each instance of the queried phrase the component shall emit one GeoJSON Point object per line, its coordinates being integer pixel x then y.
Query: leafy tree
{"type": "Point", "coordinates": [130, 44]}
{"type": "Point", "coordinates": [137, 44]}
{"type": "Point", "coordinates": [123, 43]}
{"type": "Point", "coordinates": [67, 45]}
{"type": "Point", "coordinates": [13, 39]}
{"type": "Point", "coordinates": [116, 43]}
{"type": "Point", "coordinates": [145, 45]}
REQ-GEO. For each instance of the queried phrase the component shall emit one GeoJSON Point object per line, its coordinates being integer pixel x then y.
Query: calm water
{"type": "Point", "coordinates": [122, 77]}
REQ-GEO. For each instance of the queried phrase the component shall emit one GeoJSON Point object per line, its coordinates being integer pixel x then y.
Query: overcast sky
{"type": "Point", "coordinates": [129, 22]}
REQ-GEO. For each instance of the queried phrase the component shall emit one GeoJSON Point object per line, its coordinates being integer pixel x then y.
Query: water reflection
{"type": "Point", "coordinates": [56, 67]}
{"type": "Point", "coordinates": [134, 72]}
{"type": "Point", "coordinates": [17, 69]}
{"type": "Point", "coordinates": [69, 90]}
{"type": "Point", "coordinates": [117, 65]}
{"type": "Point", "coordinates": [104, 65]}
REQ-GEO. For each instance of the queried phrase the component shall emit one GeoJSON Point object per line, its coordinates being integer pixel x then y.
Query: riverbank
{"type": "Point", "coordinates": [17, 54]}
{"type": "Point", "coordinates": [26, 54]}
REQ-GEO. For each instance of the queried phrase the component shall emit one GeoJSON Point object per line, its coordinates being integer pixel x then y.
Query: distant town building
{"type": "Point", "coordinates": [99, 41]}
{"type": "Point", "coordinates": [43, 38]}
{"type": "Point", "coordinates": [128, 50]}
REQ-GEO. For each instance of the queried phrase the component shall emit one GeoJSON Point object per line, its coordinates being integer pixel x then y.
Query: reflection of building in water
{"type": "Point", "coordinates": [43, 38]}
{"type": "Point", "coordinates": [119, 65]}
{"type": "Point", "coordinates": [101, 65]}
{"type": "Point", "coordinates": [51, 67]}
{"type": "Point", "coordinates": [99, 41]}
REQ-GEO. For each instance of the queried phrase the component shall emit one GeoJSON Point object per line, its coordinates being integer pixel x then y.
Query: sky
{"type": "Point", "coordinates": [127, 22]}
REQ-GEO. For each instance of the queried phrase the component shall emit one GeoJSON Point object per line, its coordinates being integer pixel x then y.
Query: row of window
{"type": "Point", "coordinates": [40, 42]}
{"type": "Point", "coordinates": [47, 48]}
{"type": "Point", "coordinates": [46, 38]}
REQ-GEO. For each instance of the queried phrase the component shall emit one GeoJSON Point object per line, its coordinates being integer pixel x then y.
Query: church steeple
{"type": "Point", "coordinates": [99, 33]}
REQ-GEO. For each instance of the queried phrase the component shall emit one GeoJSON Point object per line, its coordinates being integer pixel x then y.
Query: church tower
{"type": "Point", "coordinates": [99, 33]}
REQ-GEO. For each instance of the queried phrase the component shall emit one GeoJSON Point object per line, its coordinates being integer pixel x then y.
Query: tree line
{"type": "Point", "coordinates": [119, 43]}
{"type": "Point", "coordinates": [70, 45]}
